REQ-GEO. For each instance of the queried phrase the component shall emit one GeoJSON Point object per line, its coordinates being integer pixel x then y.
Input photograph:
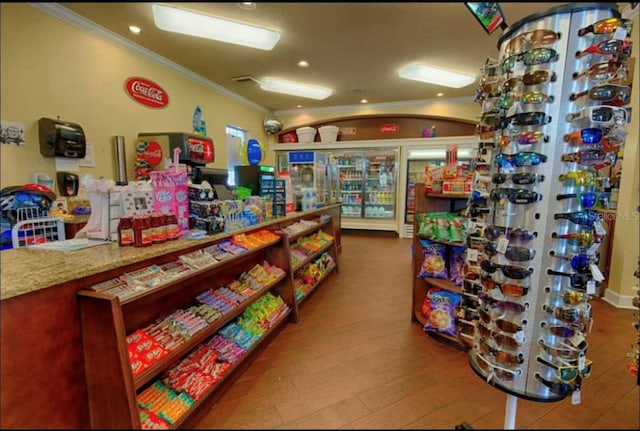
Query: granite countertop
{"type": "Point", "coordinates": [26, 270]}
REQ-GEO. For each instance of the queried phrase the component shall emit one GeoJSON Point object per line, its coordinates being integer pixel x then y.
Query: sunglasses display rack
{"type": "Point", "coordinates": [554, 113]}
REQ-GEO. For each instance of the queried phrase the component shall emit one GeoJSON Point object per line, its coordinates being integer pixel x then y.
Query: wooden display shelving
{"type": "Point", "coordinates": [427, 203]}
{"type": "Point", "coordinates": [327, 227]}
{"type": "Point", "coordinates": [107, 321]}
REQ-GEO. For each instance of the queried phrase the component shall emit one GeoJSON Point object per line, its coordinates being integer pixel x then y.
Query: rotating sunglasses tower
{"type": "Point", "coordinates": [554, 115]}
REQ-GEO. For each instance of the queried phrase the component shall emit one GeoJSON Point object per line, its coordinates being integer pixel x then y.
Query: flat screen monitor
{"type": "Point", "coordinates": [488, 14]}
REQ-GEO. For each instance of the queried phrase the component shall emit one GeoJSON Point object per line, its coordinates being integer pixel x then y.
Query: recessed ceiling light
{"type": "Point", "coordinates": [135, 29]}
{"type": "Point", "coordinates": [209, 27]}
{"type": "Point", "coordinates": [249, 5]}
{"type": "Point", "coordinates": [440, 94]}
{"type": "Point", "coordinates": [298, 106]}
{"type": "Point", "coordinates": [303, 63]}
{"type": "Point", "coordinates": [433, 75]}
{"type": "Point", "coordinates": [364, 101]}
{"type": "Point", "coordinates": [278, 85]}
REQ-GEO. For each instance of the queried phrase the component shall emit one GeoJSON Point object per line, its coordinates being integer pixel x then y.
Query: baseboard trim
{"type": "Point", "coordinates": [617, 300]}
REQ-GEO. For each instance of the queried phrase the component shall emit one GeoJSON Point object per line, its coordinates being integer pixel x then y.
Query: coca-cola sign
{"type": "Point", "coordinates": [389, 129]}
{"type": "Point", "coordinates": [146, 92]}
{"type": "Point", "coordinates": [152, 153]}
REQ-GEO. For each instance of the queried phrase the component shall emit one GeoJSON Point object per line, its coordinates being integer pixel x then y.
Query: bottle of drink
{"type": "Point", "coordinates": [159, 228]}
{"type": "Point", "coordinates": [125, 231]}
{"type": "Point", "coordinates": [171, 224]}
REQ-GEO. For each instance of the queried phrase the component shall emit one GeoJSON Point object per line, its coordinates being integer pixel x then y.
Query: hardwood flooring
{"type": "Point", "coordinates": [356, 361]}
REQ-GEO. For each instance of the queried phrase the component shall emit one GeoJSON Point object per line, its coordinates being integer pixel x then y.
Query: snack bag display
{"type": "Point", "coordinates": [442, 223]}
{"type": "Point", "coordinates": [456, 264]}
{"type": "Point", "coordinates": [434, 260]}
{"type": "Point", "coordinates": [457, 226]}
{"type": "Point", "coordinates": [440, 308]}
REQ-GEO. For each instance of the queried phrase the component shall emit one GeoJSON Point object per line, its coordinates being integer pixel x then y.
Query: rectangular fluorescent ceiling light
{"type": "Point", "coordinates": [209, 27]}
{"type": "Point", "coordinates": [433, 75]}
{"type": "Point", "coordinates": [295, 89]}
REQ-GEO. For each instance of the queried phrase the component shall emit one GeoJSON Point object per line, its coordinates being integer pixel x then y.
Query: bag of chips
{"type": "Point", "coordinates": [456, 263]}
{"type": "Point", "coordinates": [434, 260]}
{"type": "Point", "coordinates": [440, 307]}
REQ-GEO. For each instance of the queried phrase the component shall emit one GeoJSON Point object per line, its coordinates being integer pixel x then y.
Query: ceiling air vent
{"type": "Point", "coordinates": [245, 78]}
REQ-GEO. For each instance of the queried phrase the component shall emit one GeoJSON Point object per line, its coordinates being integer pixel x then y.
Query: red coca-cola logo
{"type": "Point", "coordinates": [146, 92]}
{"type": "Point", "coordinates": [389, 129]}
{"type": "Point", "coordinates": [153, 153]}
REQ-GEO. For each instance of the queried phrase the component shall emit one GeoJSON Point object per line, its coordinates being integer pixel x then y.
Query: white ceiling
{"type": "Point", "coordinates": [354, 48]}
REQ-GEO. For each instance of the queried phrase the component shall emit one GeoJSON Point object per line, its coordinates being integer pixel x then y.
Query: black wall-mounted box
{"type": "Point", "coordinates": [61, 139]}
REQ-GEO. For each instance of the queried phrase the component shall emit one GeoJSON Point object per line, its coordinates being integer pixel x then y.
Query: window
{"type": "Point", "coordinates": [235, 137]}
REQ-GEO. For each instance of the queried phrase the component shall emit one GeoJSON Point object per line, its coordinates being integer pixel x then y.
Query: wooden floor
{"type": "Point", "coordinates": [356, 361]}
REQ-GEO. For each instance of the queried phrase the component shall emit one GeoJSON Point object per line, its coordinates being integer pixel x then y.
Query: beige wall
{"type": "Point", "coordinates": [54, 69]}
{"type": "Point", "coordinates": [626, 246]}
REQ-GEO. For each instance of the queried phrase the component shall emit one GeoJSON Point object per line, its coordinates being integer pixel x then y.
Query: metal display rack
{"type": "Point", "coordinates": [534, 314]}
{"type": "Point", "coordinates": [34, 226]}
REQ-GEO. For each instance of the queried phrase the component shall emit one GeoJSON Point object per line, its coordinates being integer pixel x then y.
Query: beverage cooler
{"type": "Point", "coordinates": [307, 169]}
{"type": "Point", "coordinates": [368, 183]}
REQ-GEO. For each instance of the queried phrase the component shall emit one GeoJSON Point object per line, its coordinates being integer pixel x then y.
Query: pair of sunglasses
{"type": "Point", "coordinates": [503, 306]}
{"type": "Point", "coordinates": [566, 352]}
{"type": "Point", "coordinates": [558, 388]}
{"type": "Point", "coordinates": [579, 279]}
{"type": "Point", "coordinates": [531, 39]}
{"type": "Point", "coordinates": [512, 252]}
{"type": "Point", "coordinates": [500, 356]}
{"type": "Point", "coordinates": [560, 330]}
{"type": "Point", "coordinates": [510, 271]}
{"type": "Point", "coordinates": [530, 58]}
{"type": "Point", "coordinates": [530, 98]}
{"type": "Point", "coordinates": [524, 138]}
{"type": "Point", "coordinates": [568, 373]}
{"type": "Point", "coordinates": [572, 315]}
{"type": "Point", "coordinates": [582, 239]}
{"type": "Point", "coordinates": [507, 289]}
{"type": "Point", "coordinates": [536, 118]}
{"type": "Point", "coordinates": [582, 218]}
{"type": "Point", "coordinates": [515, 196]}
{"type": "Point", "coordinates": [581, 177]}
{"type": "Point", "coordinates": [613, 94]}
{"type": "Point", "coordinates": [492, 233]}
{"type": "Point", "coordinates": [587, 200]}
{"type": "Point", "coordinates": [521, 178]}
{"type": "Point", "coordinates": [495, 370]}
{"type": "Point", "coordinates": [590, 135]}
{"type": "Point", "coordinates": [525, 158]}
{"type": "Point", "coordinates": [531, 78]}
{"type": "Point", "coordinates": [606, 26]}
{"type": "Point", "coordinates": [579, 261]}
{"type": "Point", "coordinates": [608, 47]}
{"type": "Point", "coordinates": [589, 157]}
{"type": "Point", "coordinates": [502, 340]}
{"type": "Point", "coordinates": [604, 71]}
{"type": "Point", "coordinates": [604, 115]}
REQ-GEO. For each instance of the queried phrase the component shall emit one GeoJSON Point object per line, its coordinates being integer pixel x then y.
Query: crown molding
{"type": "Point", "coordinates": [70, 17]}
{"type": "Point", "coordinates": [396, 105]}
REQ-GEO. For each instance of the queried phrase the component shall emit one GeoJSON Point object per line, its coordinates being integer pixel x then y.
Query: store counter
{"type": "Point", "coordinates": [42, 367]}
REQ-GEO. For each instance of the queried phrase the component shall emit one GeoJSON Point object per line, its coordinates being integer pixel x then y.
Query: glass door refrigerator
{"type": "Point", "coordinates": [380, 183]}
{"type": "Point", "coordinates": [349, 165]}
{"type": "Point", "coordinates": [307, 170]}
